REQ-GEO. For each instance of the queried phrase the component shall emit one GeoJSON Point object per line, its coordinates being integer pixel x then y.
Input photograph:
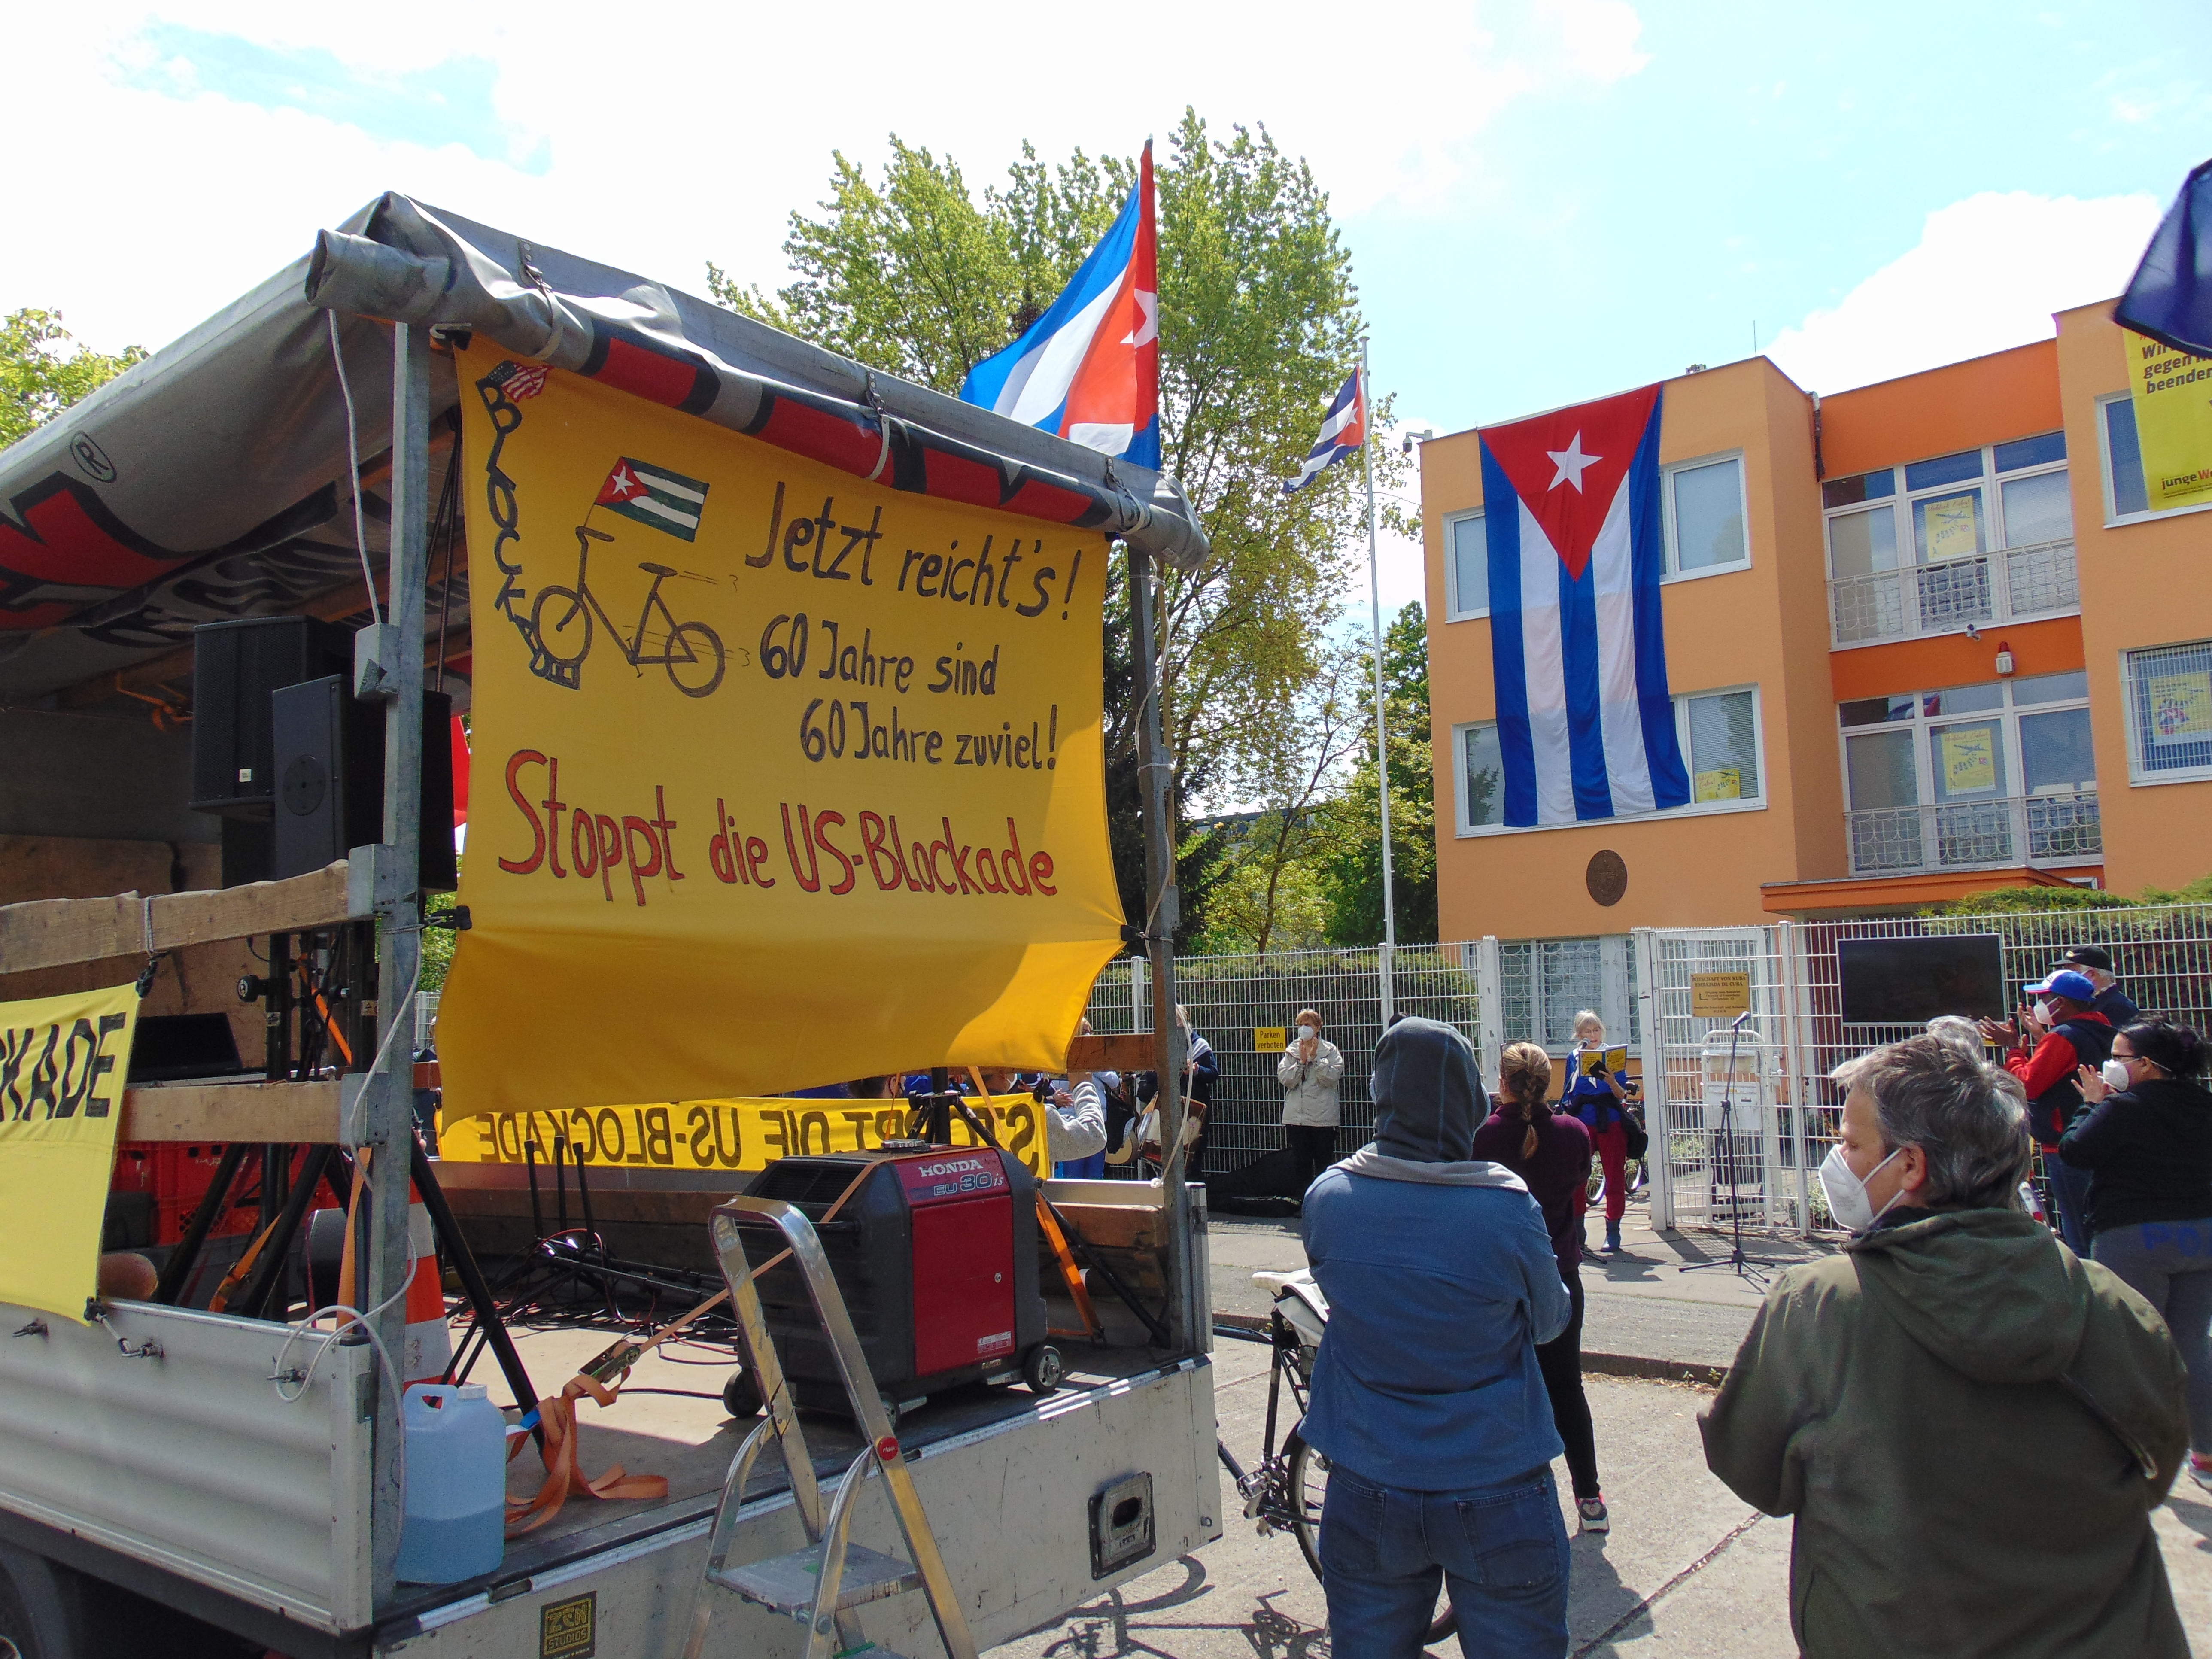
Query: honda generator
{"type": "Point", "coordinates": [935, 1254]}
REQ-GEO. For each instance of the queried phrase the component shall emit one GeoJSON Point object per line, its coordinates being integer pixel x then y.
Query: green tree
{"type": "Point", "coordinates": [1353, 870]}
{"type": "Point", "coordinates": [39, 377]}
{"type": "Point", "coordinates": [2032, 901]}
{"type": "Point", "coordinates": [913, 272]}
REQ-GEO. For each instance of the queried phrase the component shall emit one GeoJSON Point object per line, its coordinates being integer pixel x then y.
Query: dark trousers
{"type": "Point", "coordinates": [1561, 1362]}
{"type": "Point", "coordinates": [1312, 1151]}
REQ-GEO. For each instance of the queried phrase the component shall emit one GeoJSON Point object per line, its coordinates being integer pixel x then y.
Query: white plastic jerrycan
{"type": "Point", "coordinates": [456, 1520]}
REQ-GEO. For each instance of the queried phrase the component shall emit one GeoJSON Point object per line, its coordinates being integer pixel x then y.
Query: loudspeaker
{"type": "Point", "coordinates": [328, 755]}
{"type": "Point", "coordinates": [235, 667]}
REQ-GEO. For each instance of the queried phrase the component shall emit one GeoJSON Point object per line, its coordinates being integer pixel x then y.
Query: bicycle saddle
{"type": "Point", "coordinates": [658, 569]}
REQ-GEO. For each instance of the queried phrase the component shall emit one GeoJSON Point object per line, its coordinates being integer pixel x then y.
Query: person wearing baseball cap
{"type": "Point", "coordinates": [2095, 964]}
{"type": "Point", "coordinates": [2044, 1048]}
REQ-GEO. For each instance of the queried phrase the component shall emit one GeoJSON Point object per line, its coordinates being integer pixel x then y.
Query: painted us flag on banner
{"type": "Point", "coordinates": [1585, 723]}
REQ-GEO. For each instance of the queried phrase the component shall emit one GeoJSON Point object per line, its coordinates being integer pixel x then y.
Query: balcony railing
{"type": "Point", "coordinates": [1998, 586]}
{"type": "Point", "coordinates": [2051, 828]}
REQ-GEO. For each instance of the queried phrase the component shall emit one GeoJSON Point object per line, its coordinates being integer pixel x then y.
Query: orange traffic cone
{"type": "Point", "coordinates": [429, 1345]}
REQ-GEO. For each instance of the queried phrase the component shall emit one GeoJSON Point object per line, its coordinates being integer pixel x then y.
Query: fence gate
{"type": "Point", "coordinates": [1726, 1102]}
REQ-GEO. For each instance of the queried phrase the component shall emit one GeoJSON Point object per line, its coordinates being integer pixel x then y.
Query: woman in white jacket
{"type": "Point", "coordinates": [1308, 1071]}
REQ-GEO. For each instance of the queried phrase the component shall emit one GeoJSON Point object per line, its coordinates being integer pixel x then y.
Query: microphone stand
{"type": "Point", "coordinates": [1736, 1260]}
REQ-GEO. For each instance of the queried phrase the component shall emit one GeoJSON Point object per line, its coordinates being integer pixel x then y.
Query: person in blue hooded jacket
{"type": "Point", "coordinates": [1427, 1399]}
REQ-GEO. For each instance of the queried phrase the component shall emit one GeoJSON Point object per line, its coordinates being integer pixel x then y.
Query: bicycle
{"type": "Point", "coordinates": [1288, 1490]}
{"type": "Point", "coordinates": [690, 644]}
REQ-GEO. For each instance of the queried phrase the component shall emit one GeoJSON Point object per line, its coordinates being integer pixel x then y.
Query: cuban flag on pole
{"type": "Point", "coordinates": [1088, 369]}
{"type": "Point", "coordinates": [1585, 723]}
{"type": "Point", "coordinates": [1343, 430]}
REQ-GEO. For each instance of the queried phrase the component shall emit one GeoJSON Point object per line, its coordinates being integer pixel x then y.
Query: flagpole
{"type": "Point", "coordinates": [1382, 746]}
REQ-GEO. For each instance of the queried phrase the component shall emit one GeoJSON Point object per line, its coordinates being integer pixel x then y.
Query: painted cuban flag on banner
{"type": "Point", "coordinates": [1585, 723]}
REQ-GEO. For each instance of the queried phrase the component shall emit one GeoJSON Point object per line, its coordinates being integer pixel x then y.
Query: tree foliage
{"type": "Point", "coordinates": [40, 376]}
{"type": "Point", "coordinates": [2031, 901]}
{"type": "Point", "coordinates": [1353, 867]}
{"type": "Point", "coordinates": [912, 270]}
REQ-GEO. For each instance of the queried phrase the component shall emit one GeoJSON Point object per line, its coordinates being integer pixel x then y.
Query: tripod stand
{"type": "Point", "coordinates": [1736, 1260]}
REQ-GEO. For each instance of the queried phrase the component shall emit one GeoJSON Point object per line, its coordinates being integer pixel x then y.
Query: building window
{"type": "Point", "coordinates": [2126, 501]}
{"type": "Point", "coordinates": [2169, 694]}
{"type": "Point", "coordinates": [2000, 773]}
{"type": "Point", "coordinates": [1467, 555]}
{"type": "Point", "coordinates": [1705, 517]}
{"type": "Point", "coordinates": [1718, 731]}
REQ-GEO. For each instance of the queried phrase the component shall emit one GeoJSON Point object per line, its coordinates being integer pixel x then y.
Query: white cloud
{"type": "Point", "coordinates": [691, 135]}
{"type": "Point", "coordinates": [1988, 273]}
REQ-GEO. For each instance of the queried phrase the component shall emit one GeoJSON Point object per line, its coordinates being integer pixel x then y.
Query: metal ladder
{"type": "Point", "coordinates": [821, 1585]}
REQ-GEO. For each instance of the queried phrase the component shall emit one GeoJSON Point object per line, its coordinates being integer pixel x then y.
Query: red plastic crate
{"type": "Point", "coordinates": [134, 1167]}
{"type": "Point", "coordinates": [173, 1215]}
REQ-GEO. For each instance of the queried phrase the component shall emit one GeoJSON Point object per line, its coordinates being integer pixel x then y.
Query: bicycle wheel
{"type": "Point", "coordinates": [695, 659]}
{"type": "Point", "coordinates": [1309, 1491]}
{"type": "Point", "coordinates": [569, 639]}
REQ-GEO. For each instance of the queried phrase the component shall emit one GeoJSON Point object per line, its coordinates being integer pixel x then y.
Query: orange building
{"type": "Point", "coordinates": [1913, 633]}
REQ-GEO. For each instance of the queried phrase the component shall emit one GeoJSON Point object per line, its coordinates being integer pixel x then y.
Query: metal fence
{"type": "Point", "coordinates": [1751, 1149]}
{"type": "Point", "coordinates": [1748, 1149]}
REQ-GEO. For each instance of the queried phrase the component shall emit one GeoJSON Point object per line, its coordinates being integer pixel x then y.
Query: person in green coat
{"type": "Point", "coordinates": [1970, 1424]}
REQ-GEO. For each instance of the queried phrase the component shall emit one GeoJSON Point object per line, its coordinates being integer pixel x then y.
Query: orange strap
{"type": "Point", "coordinates": [237, 1276]}
{"type": "Point", "coordinates": [558, 1418]}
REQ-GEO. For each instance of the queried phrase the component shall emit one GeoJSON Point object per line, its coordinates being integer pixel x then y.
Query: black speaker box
{"type": "Point", "coordinates": [235, 667]}
{"type": "Point", "coordinates": [328, 753]}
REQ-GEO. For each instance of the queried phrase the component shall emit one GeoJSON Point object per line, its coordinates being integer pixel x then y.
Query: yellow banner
{"type": "Point", "coordinates": [782, 778]}
{"type": "Point", "coordinates": [1722, 783]}
{"type": "Point", "coordinates": [61, 1065]}
{"type": "Point", "coordinates": [2180, 706]}
{"type": "Point", "coordinates": [1953, 526]}
{"type": "Point", "coordinates": [1970, 759]}
{"type": "Point", "coordinates": [725, 1134]}
{"type": "Point", "coordinates": [2173, 421]}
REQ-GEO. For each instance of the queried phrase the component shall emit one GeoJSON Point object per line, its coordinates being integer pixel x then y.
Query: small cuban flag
{"type": "Point", "coordinates": [1088, 369]}
{"type": "Point", "coordinates": [1343, 430]}
{"type": "Point", "coordinates": [1585, 723]}
{"type": "Point", "coordinates": [655, 496]}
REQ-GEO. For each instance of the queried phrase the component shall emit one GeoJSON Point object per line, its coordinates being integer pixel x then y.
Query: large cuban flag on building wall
{"type": "Point", "coordinates": [1088, 369]}
{"type": "Point", "coordinates": [1585, 723]}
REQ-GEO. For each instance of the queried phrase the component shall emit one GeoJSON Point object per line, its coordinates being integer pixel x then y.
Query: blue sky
{"type": "Point", "coordinates": [1546, 200]}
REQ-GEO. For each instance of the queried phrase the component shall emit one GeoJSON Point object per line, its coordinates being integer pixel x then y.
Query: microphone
{"type": "Point", "coordinates": [1737, 1024]}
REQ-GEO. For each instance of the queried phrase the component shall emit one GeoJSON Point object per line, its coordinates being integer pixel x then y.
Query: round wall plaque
{"type": "Point", "coordinates": [1606, 877]}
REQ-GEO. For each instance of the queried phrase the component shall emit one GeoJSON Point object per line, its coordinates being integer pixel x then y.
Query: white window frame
{"type": "Point", "coordinates": [1696, 809]}
{"type": "Point", "coordinates": [1453, 611]}
{"type": "Point", "coordinates": [2139, 775]}
{"type": "Point", "coordinates": [2114, 519]}
{"type": "Point", "coordinates": [2008, 714]}
{"type": "Point", "coordinates": [1997, 534]}
{"type": "Point", "coordinates": [1671, 561]}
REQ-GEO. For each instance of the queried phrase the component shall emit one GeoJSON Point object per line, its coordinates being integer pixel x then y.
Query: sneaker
{"type": "Point", "coordinates": [1592, 1510]}
{"type": "Point", "coordinates": [1613, 1238]}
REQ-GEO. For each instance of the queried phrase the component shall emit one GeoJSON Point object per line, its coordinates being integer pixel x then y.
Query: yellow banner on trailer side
{"type": "Point", "coordinates": [724, 1134]}
{"type": "Point", "coordinates": [61, 1065]}
{"type": "Point", "coordinates": [783, 778]}
{"type": "Point", "coordinates": [2173, 394]}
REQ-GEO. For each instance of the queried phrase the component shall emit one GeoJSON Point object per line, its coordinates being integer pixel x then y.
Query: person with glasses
{"type": "Point", "coordinates": [2146, 1141]}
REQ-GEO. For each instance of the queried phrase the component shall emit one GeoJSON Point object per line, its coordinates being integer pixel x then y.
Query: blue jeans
{"type": "Point", "coordinates": [2069, 1187]}
{"type": "Point", "coordinates": [2169, 1265]}
{"type": "Point", "coordinates": [1502, 1552]}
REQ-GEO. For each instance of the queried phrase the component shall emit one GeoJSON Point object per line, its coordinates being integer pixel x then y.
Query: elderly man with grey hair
{"type": "Point", "coordinates": [1971, 1425]}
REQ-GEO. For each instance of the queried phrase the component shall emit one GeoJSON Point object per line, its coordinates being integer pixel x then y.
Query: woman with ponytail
{"type": "Point", "coordinates": [2146, 1139]}
{"type": "Point", "coordinates": [1552, 1154]}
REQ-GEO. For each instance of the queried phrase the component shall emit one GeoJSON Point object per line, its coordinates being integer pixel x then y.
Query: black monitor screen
{"type": "Point", "coordinates": [1909, 982]}
{"type": "Point", "coordinates": [176, 1047]}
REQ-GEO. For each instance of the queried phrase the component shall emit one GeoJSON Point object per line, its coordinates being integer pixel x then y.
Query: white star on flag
{"type": "Point", "coordinates": [1571, 461]}
{"type": "Point", "coordinates": [1148, 319]}
{"type": "Point", "coordinates": [625, 485]}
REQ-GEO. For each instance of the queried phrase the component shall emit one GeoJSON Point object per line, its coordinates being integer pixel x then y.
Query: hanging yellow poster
{"type": "Point", "coordinates": [1969, 757]}
{"type": "Point", "coordinates": [2180, 706]}
{"type": "Point", "coordinates": [2173, 393]}
{"type": "Point", "coordinates": [731, 1136]}
{"type": "Point", "coordinates": [61, 1065]}
{"type": "Point", "coordinates": [1951, 527]}
{"type": "Point", "coordinates": [784, 778]}
{"type": "Point", "coordinates": [1722, 783]}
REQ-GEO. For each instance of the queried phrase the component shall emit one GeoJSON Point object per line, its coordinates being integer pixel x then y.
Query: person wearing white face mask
{"type": "Point", "coordinates": [1971, 1425]}
{"type": "Point", "coordinates": [1308, 1071]}
{"type": "Point", "coordinates": [2147, 1142]}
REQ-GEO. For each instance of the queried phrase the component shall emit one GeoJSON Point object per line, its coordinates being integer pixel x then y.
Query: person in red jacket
{"type": "Point", "coordinates": [2044, 1048]}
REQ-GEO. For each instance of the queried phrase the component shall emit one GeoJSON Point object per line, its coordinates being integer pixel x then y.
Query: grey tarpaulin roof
{"type": "Point", "coordinates": [208, 481]}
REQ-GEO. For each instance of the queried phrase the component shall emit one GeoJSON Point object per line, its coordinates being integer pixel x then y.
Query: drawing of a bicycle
{"type": "Point", "coordinates": [692, 652]}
